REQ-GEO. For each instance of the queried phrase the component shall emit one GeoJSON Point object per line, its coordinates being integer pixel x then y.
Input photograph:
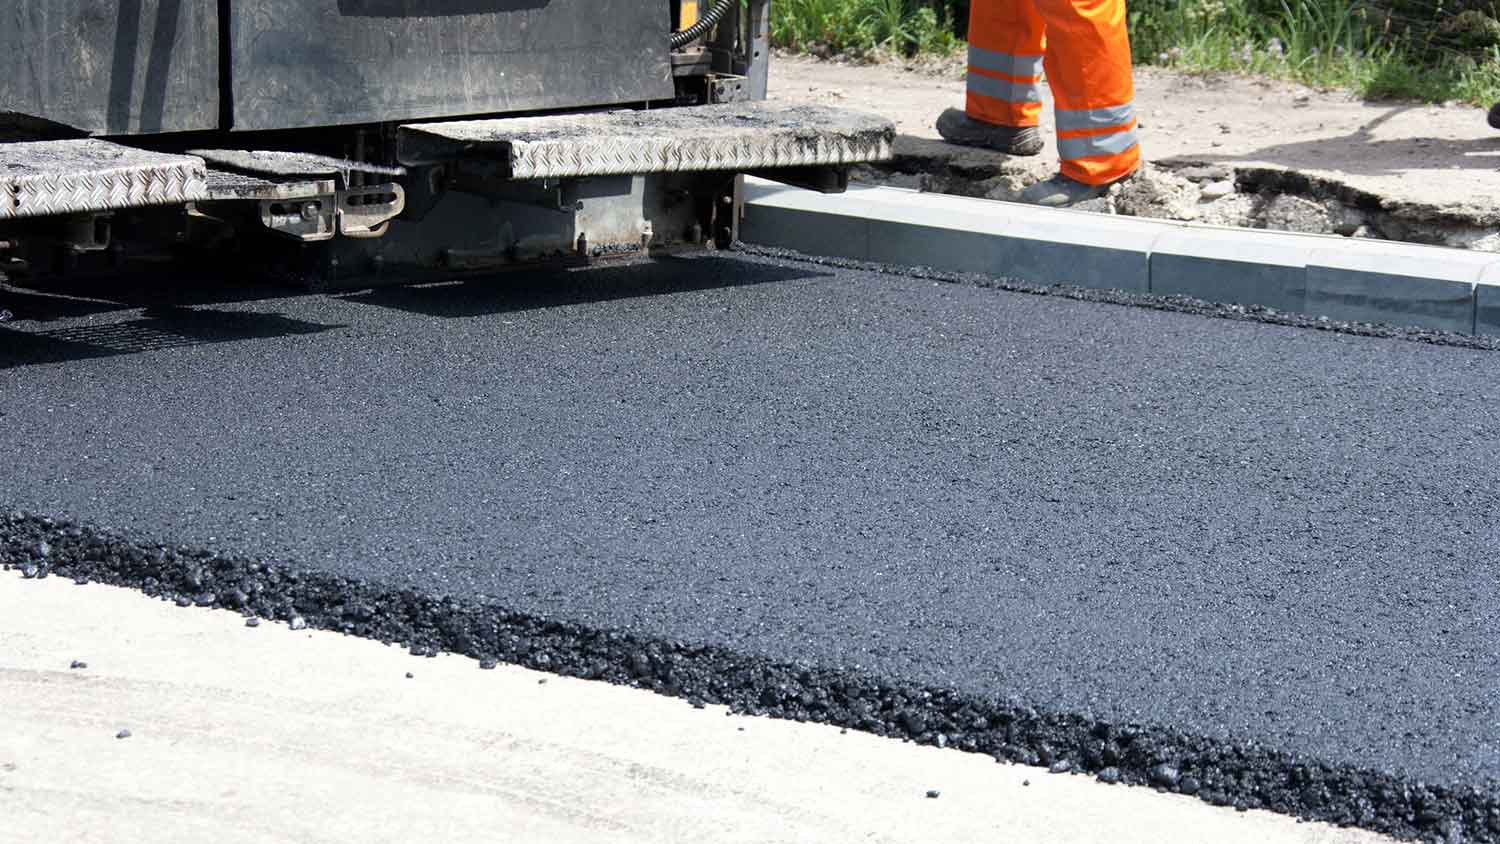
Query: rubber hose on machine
{"type": "Point", "coordinates": [704, 24]}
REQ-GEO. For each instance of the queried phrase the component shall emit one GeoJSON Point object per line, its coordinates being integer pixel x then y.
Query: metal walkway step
{"type": "Point", "coordinates": [734, 137]}
{"type": "Point", "coordinates": [39, 178]}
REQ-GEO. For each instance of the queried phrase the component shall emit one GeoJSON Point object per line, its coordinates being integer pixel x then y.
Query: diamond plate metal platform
{"type": "Point", "coordinates": [734, 138]}
{"type": "Point", "coordinates": [41, 178]}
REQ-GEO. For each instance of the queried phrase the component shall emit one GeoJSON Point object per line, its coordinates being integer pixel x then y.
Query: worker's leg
{"type": "Point", "coordinates": [1005, 62]}
{"type": "Point", "coordinates": [1088, 69]}
{"type": "Point", "coordinates": [1004, 100]}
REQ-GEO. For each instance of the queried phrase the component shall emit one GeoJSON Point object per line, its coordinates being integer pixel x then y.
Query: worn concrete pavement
{"type": "Point", "coordinates": [257, 735]}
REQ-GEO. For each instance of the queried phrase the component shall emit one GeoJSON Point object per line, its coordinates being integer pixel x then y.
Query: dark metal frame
{"type": "Point", "coordinates": [652, 213]}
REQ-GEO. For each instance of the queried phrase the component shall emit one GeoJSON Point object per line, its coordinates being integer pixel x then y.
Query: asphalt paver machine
{"type": "Point", "coordinates": [369, 140]}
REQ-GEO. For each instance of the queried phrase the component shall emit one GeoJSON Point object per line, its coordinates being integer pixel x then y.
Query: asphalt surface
{"type": "Point", "coordinates": [1246, 532]}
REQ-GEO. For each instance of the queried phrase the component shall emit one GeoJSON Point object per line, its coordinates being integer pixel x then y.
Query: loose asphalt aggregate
{"type": "Point", "coordinates": [1235, 558]}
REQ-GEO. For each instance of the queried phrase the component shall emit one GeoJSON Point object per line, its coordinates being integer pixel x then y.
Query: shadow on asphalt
{"type": "Point", "coordinates": [104, 318]}
{"type": "Point", "coordinates": [156, 329]}
{"type": "Point", "coordinates": [526, 290]}
{"type": "Point", "coordinates": [181, 288]}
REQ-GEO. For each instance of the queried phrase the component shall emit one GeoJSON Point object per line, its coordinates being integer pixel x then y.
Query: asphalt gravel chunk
{"type": "Point", "coordinates": [1046, 529]}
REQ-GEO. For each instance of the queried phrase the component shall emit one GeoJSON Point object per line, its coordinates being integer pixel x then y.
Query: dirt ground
{"type": "Point", "coordinates": [1224, 149]}
{"type": "Point", "coordinates": [185, 725]}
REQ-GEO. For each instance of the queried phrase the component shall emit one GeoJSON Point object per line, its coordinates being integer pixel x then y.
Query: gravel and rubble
{"type": "Point", "coordinates": [1191, 191]}
{"type": "Point", "coordinates": [1220, 149]}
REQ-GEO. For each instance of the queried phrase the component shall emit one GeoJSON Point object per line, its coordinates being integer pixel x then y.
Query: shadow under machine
{"type": "Point", "coordinates": [360, 140]}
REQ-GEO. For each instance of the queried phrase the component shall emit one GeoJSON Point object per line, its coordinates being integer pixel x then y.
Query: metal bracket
{"type": "Point", "coordinates": [728, 88]}
{"type": "Point", "coordinates": [367, 211]}
{"type": "Point", "coordinates": [361, 212]}
{"type": "Point", "coordinates": [308, 219]}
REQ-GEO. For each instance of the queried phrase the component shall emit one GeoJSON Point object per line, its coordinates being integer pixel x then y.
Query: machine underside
{"type": "Point", "coordinates": [360, 141]}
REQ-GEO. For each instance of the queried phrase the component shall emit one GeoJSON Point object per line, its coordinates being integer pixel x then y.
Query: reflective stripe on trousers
{"type": "Point", "coordinates": [1093, 146]}
{"type": "Point", "coordinates": [1095, 132]}
{"type": "Point", "coordinates": [1004, 87]}
{"type": "Point", "coordinates": [1005, 64]}
{"type": "Point", "coordinates": [1071, 119]}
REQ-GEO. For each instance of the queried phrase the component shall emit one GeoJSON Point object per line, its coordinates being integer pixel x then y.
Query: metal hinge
{"type": "Point", "coordinates": [360, 212]}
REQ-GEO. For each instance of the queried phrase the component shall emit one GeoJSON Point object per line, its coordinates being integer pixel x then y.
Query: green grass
{"type": "Point", "coordinates": [902, 27]}
{"type": "Point", "coordinates": [1322, 43]}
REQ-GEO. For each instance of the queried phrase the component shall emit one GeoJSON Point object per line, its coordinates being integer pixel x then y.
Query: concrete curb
{"type": "Point", "coordinates": [1320, 275]}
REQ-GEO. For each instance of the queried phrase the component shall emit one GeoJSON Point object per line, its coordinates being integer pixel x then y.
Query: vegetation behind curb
{"type": "Point", "coordinates": [1432, 50]}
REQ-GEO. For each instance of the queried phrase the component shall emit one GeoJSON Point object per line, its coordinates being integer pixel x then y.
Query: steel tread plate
{"type": "Point", "coordinates": [42, 178]}
{"type": "Point", "coordinates": [732, 137]}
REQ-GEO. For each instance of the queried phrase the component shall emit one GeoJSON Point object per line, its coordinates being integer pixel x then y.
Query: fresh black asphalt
{"type": "Point", "coordinates": [1246, 532]}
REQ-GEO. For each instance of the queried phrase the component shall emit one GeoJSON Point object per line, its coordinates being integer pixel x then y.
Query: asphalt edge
{"type": "Point", "coordinates": [1111, 296]}
{"type": "Point", "coordinates": [1227, 773]}
{"type": "Point", "coordinates": [1322, 276]}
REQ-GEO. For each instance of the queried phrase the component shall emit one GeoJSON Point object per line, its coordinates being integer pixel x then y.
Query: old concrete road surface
{"type": "Point", "coordinates": [1246, 561]}
{"type": "Point", "coordinates": [333, 741]}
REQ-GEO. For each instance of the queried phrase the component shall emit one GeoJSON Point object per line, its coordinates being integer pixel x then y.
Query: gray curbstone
{"type": "Point", "coordinates": [1224, 266]}
{"type": "Point", "coordinates": [810, 232]}
{"type": "Point", "coordinates": [1319, 275]}
{"type": "Point", "coordinates": [954, 234]}
{"type": "Point", "coordinates": [1046, 246]}
{"type": "Point", "coordinates": [1016, 251]}
{"type": "Point", "coordinates": [946, 249]}
{"type": "Point", "coordinates": [1421, 286]}
{"type": "Point", "coordinates": [1487, 301]}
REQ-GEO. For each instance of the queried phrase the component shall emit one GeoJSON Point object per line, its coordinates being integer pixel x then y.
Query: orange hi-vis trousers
{"type": "Point", "coordinates": [1085, 50]}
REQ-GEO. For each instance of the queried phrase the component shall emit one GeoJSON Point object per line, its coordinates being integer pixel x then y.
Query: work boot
{"type": "Point", "coordinates": [1061, 192]}
{"type": "Point", "coordinates": [956, 127]}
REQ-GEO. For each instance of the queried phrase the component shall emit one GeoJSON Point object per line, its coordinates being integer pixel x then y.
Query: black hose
{"type": "Point", "coordinates": [704, 24]}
